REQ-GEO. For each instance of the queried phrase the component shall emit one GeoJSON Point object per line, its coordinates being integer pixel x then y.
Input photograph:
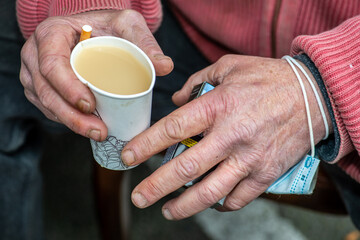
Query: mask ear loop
{"type": "Point", "coordinates": [312, 143]}
{"type": "Point", "coordinates": [321, 107]}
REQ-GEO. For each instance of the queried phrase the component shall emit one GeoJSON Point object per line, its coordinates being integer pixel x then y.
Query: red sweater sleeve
{"type": "Point", "coordinates": [32, 12]}
{"type": "Point", "coordinates": [336, 54]}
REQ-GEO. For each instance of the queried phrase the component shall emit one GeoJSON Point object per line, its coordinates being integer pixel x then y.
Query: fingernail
{"type": "Point", "coordinates": [83, 106]}
{"type": "Point", "coordinates": [166, 213]}
{"type": "Point", "coordinates": [128, 157]}
{"type": "Point", "coordinates": [94, 134]}
{"type": "Point", "coordinates": [139, 200]}
{"type": "Point", "coordinates": [161, 57]}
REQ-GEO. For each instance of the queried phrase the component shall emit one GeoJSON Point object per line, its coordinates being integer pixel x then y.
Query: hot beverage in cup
{"type": "Point", "coordinates": [113, 70]}
{"type": "Point", "coordinates": [121, 77]}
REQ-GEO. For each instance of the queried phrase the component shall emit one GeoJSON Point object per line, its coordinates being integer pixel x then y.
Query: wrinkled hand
{"type": "Point", "coordinates": [48, 79]}
{"type": "Point", "coordinates": [255, 128]}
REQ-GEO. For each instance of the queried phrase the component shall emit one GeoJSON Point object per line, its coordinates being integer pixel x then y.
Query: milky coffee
{"type": "Point", "coordinates": [112, 69]}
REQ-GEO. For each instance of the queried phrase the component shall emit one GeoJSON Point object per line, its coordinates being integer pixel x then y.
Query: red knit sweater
{"type": "Point", "coordinates": [328, 31]}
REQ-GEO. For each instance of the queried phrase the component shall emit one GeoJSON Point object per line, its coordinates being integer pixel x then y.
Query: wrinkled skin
{"type": "Point", "coordinates": [46, 74]}
{"type": "Point", "coordinates": [254, 120]}
{"type": "Point", "coordinates": [255, 128]}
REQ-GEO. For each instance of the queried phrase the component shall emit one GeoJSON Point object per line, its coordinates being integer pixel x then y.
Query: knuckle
{"type": "Point", "coordinates": [153, 189]}
{"type": "Point", "coordinates": [226, 101]}
{"type": "Point", "coordinates": [147, 144]}
{"type": "Point", "coordinates": [193, 77]}
{"type": "Point", "coordinates": [75, 126]}
{"type": "Point", "coordinates": [257, 154]}
{"type": "Point", "coordinates": [69, 93]}
{"type": "Point", "coordinates": [173, 128]}
{"type": "Point", "coordinates": [187, 169]}
{"type": "Point", "coordinates": [47, 63]}
{"type": "Point", "coordinates": [178, 212]}
{"type": "Point", "coordinates": [26, 49]}
{"type": "Point", "coordinates": [271, 168]}
{"type": "Point", "coordinates": [46, 98]}
{"type": "Point", "coordinates": [268, 176]}
{"type": "Point", "coordinates": [236, 167]}
{"type": "Point", "coordinates": [247, 130]}
{"type": "Point", "coordinates": [226, 58]}
{"type": "Point", "coordinates": [248, 193]}
{"type": "Point", "coordinates": [126, 17]}
{"type": "Point", "coordinates": [204, 111]}
{"type": "Point", "coordinates": [25, 79]}
{"type": "Point", "coordinates": [43, 28]}
{"type": "Point", "coordinates": [29, 95]}
{"type": "Point", "coordinates": [130, 15]}
{"type": "Point", "coordinates": [209, 194]}
{"type": "Point", "coordinates": [226, 61]}
{"type": "Point", "coordinates": [74, 121]}
{"type": "Point", "coordinates": [233, 204]}
{"type": "Point", "coordinates": [254, 187]}
{"type": "Point", "coordinates": [147, 41]}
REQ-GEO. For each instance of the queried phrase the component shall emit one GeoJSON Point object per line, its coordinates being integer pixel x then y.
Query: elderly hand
{"type": "Point", "coordinates": [48, 79]}
{"type": "Point", "coordinates": [255, 129]}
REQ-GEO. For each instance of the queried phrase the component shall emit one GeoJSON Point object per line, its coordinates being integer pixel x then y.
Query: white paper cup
{"type": "Point", "coordinates": [124, 115]}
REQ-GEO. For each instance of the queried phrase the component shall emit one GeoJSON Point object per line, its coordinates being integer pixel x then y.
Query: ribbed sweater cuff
{"type": "Point", "coordinates": [32, 12]}
{"type": "Point", "coordinates": [335, 54]}
{"type": "Point", "coordinates": [328, 149]}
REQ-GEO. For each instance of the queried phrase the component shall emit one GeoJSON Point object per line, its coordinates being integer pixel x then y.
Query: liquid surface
{"type": "Point", "coordinates": [113, 70]}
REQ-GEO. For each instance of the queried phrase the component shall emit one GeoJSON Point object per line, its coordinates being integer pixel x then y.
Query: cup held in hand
{"type": "Point", "coordinates": [125, 110]}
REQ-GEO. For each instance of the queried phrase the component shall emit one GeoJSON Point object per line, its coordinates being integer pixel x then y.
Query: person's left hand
{"type": "Point", "coordinates": [255, 128]}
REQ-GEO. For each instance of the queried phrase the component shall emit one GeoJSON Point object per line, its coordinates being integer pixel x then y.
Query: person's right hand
{"type": "Point", "coordinates": [46, 74]}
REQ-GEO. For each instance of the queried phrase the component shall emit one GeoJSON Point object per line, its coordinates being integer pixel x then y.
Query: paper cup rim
{"type": "Point", "coordinates": [102, 92]}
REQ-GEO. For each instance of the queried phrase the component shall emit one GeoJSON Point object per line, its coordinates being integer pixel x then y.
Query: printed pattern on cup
{"type": "Point", "coordinates": [108, 152]}
{"type": "Point", "coordinates": [97, 114]}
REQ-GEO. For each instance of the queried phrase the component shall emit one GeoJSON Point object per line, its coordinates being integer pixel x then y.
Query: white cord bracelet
{"type": "Point", "coordinates": [312, 143]}
{"type": "Point", "coordinates": [316, 95]}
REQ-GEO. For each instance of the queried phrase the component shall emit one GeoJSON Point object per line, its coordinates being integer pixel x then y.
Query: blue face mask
{"type": "Point", "coordinates": [300, 179]}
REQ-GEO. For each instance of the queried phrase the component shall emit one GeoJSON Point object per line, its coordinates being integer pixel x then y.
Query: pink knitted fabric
{"type": "Point", "coordinates": [336, 55]}
{"type": "Point", "coordinates": [328, 31]}
{"type": "Point", "coordinates": [32, 12]}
